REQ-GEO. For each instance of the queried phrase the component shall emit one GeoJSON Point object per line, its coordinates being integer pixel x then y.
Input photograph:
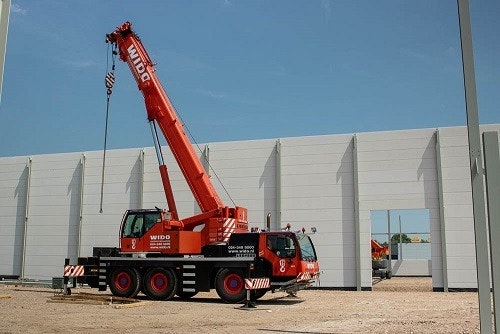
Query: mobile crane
{"type": "Point", "coordinates": [380, 260]}
{"type": "Point", "coordinates": [163, 255]}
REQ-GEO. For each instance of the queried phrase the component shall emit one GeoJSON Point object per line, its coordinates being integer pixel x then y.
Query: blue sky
{"type": "Point", "coordinates": [413, 222]}
{"type": "Point", "coordinates": [243, 70]}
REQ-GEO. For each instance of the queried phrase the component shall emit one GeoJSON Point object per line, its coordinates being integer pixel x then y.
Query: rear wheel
{"type": "Point", "coordinates": [230, 285]}
{"type": "Point", "coordinates": [388, 274]}
{"type": "Point", "coordinates": [160, 284]}
{"type": "Point", "coordinates": [125, 282]}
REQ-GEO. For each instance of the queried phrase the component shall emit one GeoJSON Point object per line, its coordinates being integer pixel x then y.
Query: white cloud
{"type": "Point", "coordinates": [15, 8]}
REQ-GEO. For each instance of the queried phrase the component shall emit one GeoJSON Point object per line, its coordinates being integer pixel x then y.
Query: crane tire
{"type": "Point", "coordinates": [230, 285]}
{"type": "Point", "coordinates": [125, 282]}
{"type": "Point", "coordinates": [160, 284]}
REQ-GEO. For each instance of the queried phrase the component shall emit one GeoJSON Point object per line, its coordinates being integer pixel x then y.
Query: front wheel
{"type": "Point", "coordinates": [160, 284]}
{"type": "Point", "coordinates": [125, 282]}
{"type": "Point", "coordinates": [230, 285]}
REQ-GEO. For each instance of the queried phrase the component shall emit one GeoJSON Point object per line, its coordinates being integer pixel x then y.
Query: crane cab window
{"type": "Point", "coordinates": [282, 245]}
{"type": "Point", "coordinates": [138, 223]}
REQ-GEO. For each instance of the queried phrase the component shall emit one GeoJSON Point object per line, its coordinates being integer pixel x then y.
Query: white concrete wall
{"type": "Point", "coordinates": [396, 170]}
{"type": "Point", "coordinates": [457, 201]}
{"type": "Point", "coordinates": [121, 191]}
{"type": "Point", "coordinates": [53, 213]}
{"type": "Point", "coordinates": [317, 191]}
{"type": "Point", "coordinates": [248, 173]}
{"type": "Point", "coordinates": [13, 185]}
{"type": "Point", "coordinates": [411, 267]}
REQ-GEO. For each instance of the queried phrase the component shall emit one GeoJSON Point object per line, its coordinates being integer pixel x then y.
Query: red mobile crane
{"type": "Point", "coordinates": [161, 254]}
{"type": "Point", "coordinates": [380, 260]}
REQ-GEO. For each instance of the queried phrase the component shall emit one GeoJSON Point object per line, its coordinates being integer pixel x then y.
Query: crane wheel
{"type": "Point", "coordinates": [388, 274]}
{"type": "Point", "coordinates": [125, 282]}
{"type": "Point", "coordinates": [160, 284]}
{"type": "Point", "coordinates": [230, 285]}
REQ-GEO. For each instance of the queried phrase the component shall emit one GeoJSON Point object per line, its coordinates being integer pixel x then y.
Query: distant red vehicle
{"type": "Point", "coordinates": [380, 260]}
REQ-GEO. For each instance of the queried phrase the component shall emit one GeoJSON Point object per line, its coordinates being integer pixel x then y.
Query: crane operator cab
{"type": "Point", "coordinates": [282, 255]}
{"type": "Point", "coordinates": [139, 222]}
{"type": "Point", "coordinates": [147, 231]}
{"type": "Point", "coordinates": [281, 245]}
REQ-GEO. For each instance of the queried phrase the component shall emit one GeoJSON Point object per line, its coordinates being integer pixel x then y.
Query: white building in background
{"type": "Point", "coordinates": [49, 204]}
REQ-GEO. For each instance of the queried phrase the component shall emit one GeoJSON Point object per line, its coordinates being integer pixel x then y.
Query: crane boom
{"type": "Point", "coordinates": [219, 220]}
{"type": "Point", "coordinates": [160, 109]}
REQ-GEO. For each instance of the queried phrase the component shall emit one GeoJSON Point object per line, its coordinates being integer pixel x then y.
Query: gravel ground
{"type": "Point", "coordinates": [399, 305]}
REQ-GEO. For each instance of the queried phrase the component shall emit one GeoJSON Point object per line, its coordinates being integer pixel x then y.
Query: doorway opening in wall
{"type": "Point", "coordinates": [401, 249]}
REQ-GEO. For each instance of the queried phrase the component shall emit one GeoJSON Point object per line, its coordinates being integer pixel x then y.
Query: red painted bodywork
{"type": "Point", "coordinates": [378, 251]}
{"type": "Point", "coordinates": [289, 266]}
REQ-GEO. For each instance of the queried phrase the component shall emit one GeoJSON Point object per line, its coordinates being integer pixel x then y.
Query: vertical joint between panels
{"type": "Point", "coordinates": [141, 179]}
{"type": "Point", "coordinates": [80, 218]}
{"type": "Point", "coordinates": [278, 185]}
{"type": "Point", "coordinates": [442, 221]}
{"type": "Point", "coordinates": [356, 212]}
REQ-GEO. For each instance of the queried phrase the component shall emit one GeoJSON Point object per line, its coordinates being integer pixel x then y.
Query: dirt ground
{"type": "Point", "coordinates": [399, 305]}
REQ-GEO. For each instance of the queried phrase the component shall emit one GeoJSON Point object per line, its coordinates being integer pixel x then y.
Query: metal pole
{"type": "Point", "coordinates": [492, 165]}
{"type": "Point", "coordinates": [4, 28]}
{"type": "Point", "coordinates": [476, 165]}
{"type": "Point", "coordinates": [400, 257]}
{"type": "Point", "coordinates": [389, 238]}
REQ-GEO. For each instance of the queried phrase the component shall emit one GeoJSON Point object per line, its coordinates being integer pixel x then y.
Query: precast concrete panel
{"type": "Point", "coordinates": [458, 217]}
{"type": "Point", "coordinates": [121, 191]}
{"type": "Point", "coordinates": [13, 192]}
{"type": "Point", "coordinates": [247, 171]}
{"type": "Point", "coordinates": [53, 216]}
{"type": "Point", "coordinates": [458, 211]}
{"type": "Point", "coordinates": [317, 191]}
{"type": "Point", "coordinates": [405, 178]}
